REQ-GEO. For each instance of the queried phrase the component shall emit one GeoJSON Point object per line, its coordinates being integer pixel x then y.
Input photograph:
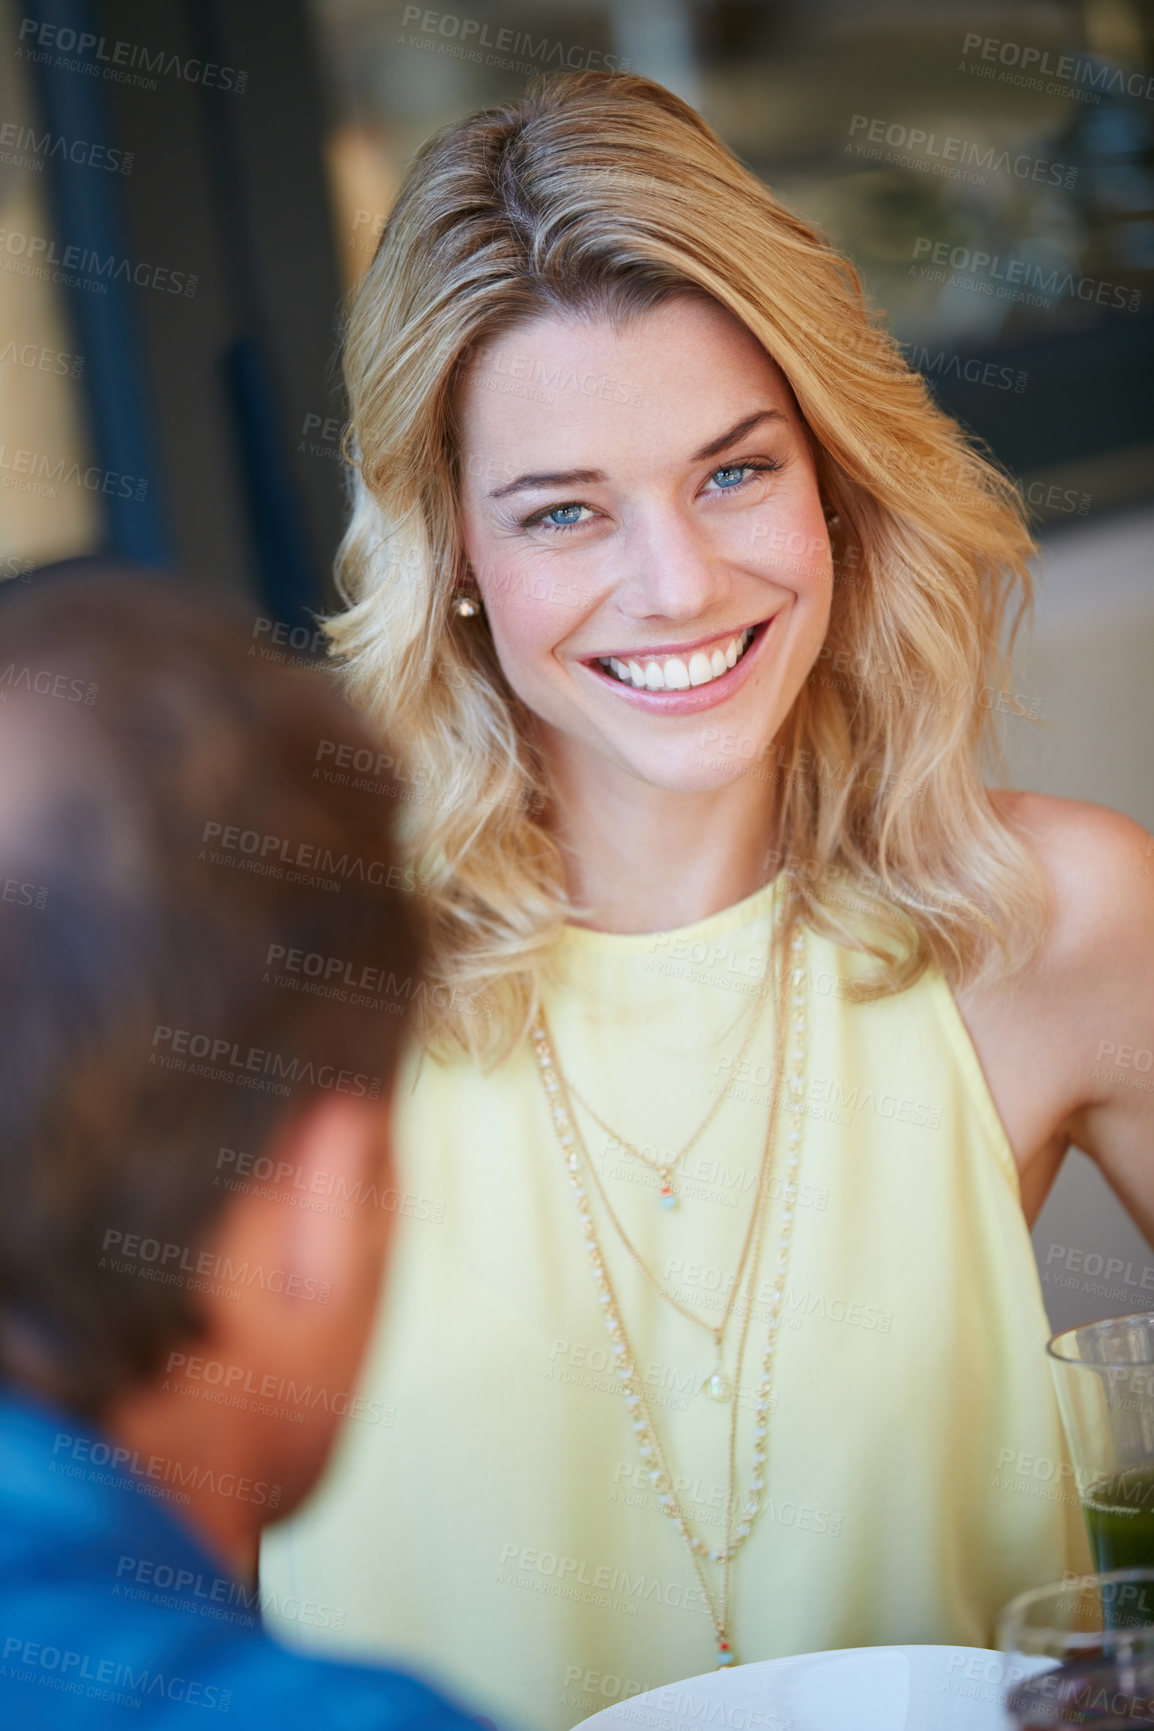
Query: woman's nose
{"type": "Point", "coordinates": [670, 570]}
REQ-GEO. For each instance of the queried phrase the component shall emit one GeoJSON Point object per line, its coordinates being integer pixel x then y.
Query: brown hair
{"type": "Point", "coordinates": [166, 839]}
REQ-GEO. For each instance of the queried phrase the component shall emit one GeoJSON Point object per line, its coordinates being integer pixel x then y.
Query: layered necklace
{"type": "Point", "coordinates": [559, 1094]}
{"type": "Point", "coordinates": [666, 1170]}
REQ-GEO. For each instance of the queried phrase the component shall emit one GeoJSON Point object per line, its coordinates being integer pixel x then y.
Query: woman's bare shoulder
{"type": "Point", "coordinates": [1067, 1042]}
{"type": "Point", "coordinates": [1098, 867]}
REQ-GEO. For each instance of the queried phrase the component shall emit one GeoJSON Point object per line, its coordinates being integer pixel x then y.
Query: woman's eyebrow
{"type": "Point", "coordinates": [534, 482]}
{"type": "Point", "coordinates": [563, 478]}
{"type": "Point", "coordinates": [716, 446]}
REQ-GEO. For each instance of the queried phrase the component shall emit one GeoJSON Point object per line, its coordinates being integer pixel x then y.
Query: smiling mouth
{"type": "Point", "coordinates": [679, 672]}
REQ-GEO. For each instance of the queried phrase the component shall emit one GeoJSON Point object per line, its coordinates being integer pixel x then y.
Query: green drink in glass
{"type": "Point", "coordinates": [1104, 1377]}
{"type": "Point", "coordinates": [1120, 1519]}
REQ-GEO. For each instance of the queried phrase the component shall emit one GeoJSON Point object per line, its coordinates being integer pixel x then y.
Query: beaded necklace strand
{"type": "Point", "coordinates": [654, 1458]}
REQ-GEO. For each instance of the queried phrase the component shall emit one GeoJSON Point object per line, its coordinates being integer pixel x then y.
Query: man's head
{"type": "Point", "coordinates": [205, 968]}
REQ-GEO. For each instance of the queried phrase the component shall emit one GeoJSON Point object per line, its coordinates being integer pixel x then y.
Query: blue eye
{"type": "Point", "coordinates": [558, 518]}
{"type": "Point", "coordinates": [731, 476]}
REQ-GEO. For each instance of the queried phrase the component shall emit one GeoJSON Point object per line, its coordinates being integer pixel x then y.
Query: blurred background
{"type": "Point", "coordinates": [188, 188]}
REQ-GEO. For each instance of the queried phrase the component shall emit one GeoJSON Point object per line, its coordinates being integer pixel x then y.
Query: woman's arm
{"type": "Point", "coordinates": [1102, 869]}
{"type": "Point", "coordinates": [1068, 1044]}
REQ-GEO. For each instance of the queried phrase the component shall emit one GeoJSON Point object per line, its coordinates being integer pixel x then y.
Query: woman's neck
{"type": "Point", "coordinates": [640, 858]}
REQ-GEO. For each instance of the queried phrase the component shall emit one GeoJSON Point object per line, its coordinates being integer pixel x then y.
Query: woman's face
{"type": "Point", "coordinates": [642, 518]}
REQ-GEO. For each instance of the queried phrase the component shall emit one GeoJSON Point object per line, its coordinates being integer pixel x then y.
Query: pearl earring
{"type": "Point", "coordinates": [465, 607]}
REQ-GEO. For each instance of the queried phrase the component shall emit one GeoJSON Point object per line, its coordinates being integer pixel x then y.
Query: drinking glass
{"type": "Point", "coordinates": [1104, 1377]}
{"type": "Point", "coordinates": [1115, 1695]}
{"type": "Point", "coordinates": [1081, 1619]}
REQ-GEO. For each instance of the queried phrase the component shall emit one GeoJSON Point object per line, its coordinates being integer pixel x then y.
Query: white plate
{"type": "Point", "coordinates": [852, 1689]}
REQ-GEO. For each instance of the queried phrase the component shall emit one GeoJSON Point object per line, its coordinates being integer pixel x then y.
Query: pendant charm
{"type": "Point", "coordinates": [667, 1198]}
{"type": "Point", "coordinates": [718, 1387]}
{"type": "Point", "coordinates": [724, 1655]}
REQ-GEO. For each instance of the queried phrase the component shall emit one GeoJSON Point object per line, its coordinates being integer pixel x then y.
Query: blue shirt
{"type": "Point", "coordinates": [112, 1614]}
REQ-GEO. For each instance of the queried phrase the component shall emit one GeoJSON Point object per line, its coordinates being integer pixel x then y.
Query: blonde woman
{"type": "Point", "coordinates": [760, 1025]}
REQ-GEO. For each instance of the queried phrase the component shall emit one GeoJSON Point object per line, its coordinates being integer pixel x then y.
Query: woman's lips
{"type": "Point", "coordinates": [696, 698]}
{"type": "Point", "coordinates": [665, 670]}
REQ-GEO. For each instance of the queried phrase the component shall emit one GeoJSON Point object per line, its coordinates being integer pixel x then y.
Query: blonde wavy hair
{"type": "Point", "coordinates": [605, 195]}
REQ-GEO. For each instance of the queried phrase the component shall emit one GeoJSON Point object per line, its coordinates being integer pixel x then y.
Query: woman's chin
{"type": "Point", "coordinates": [709, 755]}
{"type": "Point", "coordinates": [701, 771]}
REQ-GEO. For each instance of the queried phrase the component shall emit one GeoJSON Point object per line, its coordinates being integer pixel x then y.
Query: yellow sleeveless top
{"type": "Point", "coordinates": [488, 1519]}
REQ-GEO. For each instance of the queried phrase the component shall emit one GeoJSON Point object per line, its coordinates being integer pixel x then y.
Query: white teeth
{"type": "Point", "coordinates": [673, 673]}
